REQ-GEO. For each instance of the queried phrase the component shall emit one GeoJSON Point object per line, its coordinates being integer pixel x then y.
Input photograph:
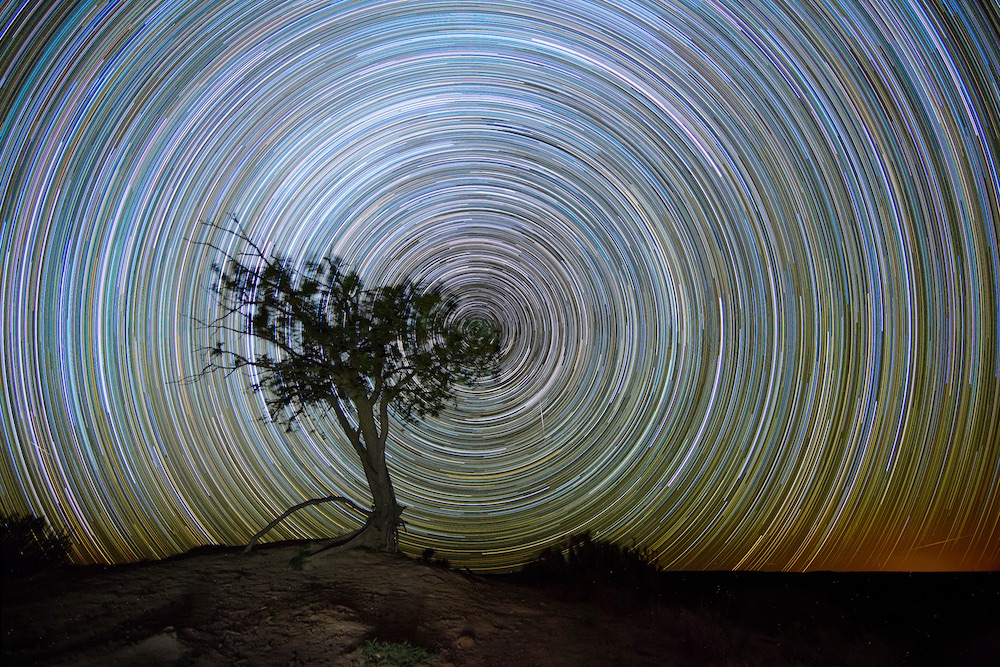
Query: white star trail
{"type": "Point", "coordinates": [743, 254]}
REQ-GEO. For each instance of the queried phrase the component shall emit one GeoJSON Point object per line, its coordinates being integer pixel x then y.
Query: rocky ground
{"type": "Point", "coordinates": [220, 607]}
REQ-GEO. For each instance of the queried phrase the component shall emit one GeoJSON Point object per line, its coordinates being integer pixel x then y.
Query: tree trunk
{"type": "Point", "coordinates": [381, 531]}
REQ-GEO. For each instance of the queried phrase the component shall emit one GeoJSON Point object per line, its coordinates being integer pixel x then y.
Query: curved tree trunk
{"type": "Point", "coordinates": [381, 531]}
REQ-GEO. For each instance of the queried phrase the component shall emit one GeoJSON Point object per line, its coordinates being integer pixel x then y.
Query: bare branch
{"type": "Point", "coordinates": [296, 508]}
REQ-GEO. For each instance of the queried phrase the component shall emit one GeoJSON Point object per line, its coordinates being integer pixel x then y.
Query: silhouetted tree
{"type": "Point", "coordinates": [328, 342]}
{"type": "Point", "coordinates": [583, 562]}
{"type": "Point", "coordinates": [29, 545]}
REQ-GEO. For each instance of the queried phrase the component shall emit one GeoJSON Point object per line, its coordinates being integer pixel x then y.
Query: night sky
{"type": "Point", "coordinates": [744, 255]}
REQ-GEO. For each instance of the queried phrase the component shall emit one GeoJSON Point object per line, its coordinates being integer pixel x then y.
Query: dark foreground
{"type": "Point", "coordinates": [222, 608]}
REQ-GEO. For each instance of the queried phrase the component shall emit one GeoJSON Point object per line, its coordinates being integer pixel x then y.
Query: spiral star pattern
{"type": "Point", "coordinates": [743, 253]}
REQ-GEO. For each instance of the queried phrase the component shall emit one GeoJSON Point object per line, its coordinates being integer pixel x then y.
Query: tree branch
{"type": "Point", "coordinates": [306, 503]}
{"type": "Point", "coordinates": [383, 419]}
{"type": "Point", "coordinates": [353, 434]}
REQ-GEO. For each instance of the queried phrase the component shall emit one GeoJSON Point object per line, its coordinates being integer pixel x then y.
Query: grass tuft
{"type": "Point", "coordinates": [392, 654]}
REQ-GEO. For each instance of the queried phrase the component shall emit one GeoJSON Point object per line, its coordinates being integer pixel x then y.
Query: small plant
{"type": "Point", "coordinates": [428, 558]}
{"type": "Point", "coordinates": [31, 545]}
{"type": "Point", "coordinates": [586, 562]}
{"type": "Point", "coordinates": [297, 561]}
{"type": "Point", "coordinates": [392, 654]}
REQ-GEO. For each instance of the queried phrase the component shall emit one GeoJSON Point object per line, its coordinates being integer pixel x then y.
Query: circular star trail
{"type": "Point", "coordinates": [744, 256]}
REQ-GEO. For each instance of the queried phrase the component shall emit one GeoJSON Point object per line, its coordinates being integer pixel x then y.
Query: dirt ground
{"type": "Point", "coordinates": [220, 608]}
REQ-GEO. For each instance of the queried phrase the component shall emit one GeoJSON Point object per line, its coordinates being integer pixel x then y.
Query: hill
{"type": "Point", "coordinates": [220, 607]}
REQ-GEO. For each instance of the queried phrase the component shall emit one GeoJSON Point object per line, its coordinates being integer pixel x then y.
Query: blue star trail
{"type": "Point", "coordinates": [744, 256]}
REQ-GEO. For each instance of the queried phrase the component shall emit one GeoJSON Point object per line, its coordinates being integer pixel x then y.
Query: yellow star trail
{"type": "Point", "coordinates": [744, 255]}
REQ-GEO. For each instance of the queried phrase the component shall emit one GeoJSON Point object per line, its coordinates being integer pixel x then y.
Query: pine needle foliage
{"type": "Point", "coordinates": [331, 339]}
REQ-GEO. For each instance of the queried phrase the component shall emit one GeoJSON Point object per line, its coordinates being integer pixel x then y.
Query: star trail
{"type": "Point", "coordinates": [744, 256]}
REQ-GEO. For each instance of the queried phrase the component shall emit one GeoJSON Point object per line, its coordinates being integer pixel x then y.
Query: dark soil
{"type": "Point", "coordinates": [220, 607]}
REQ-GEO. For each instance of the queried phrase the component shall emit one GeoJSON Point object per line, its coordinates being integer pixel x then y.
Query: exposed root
{"type": "Point", "coordinates": [307, 503]}
{"type": "Point", "coordinates": [380, 533]}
